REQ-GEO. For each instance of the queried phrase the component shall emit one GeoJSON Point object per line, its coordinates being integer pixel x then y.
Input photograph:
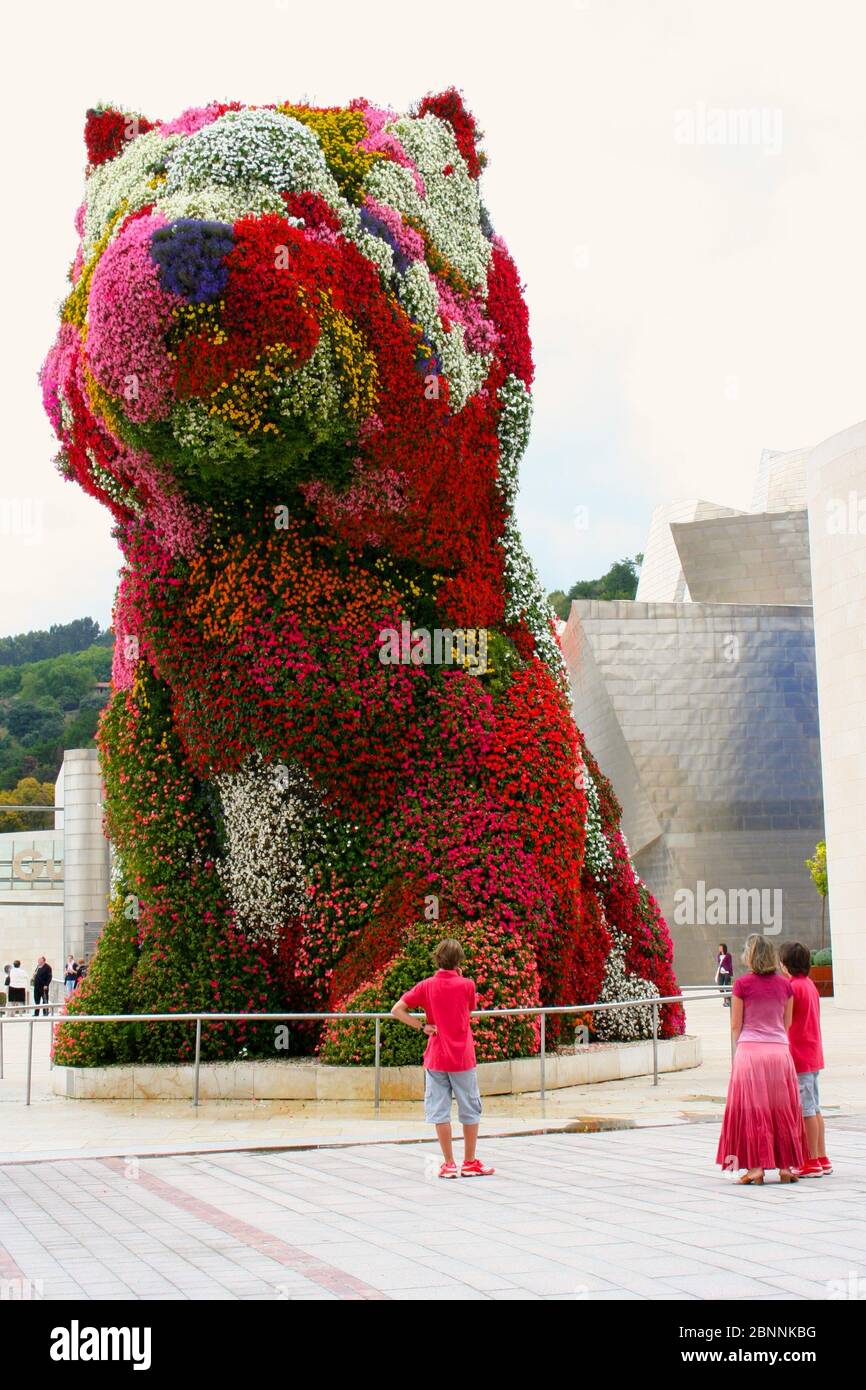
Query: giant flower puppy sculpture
{"type": "Point", "coordinates": [294, 363]}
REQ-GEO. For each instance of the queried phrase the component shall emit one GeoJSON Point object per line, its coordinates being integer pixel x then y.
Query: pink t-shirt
{"type": "Point", "coordinates": [447, 1000]}
{"type": "Point", "coordinates": [764, 998]}
{"type": "Point", "coordinates": [804, 1034]}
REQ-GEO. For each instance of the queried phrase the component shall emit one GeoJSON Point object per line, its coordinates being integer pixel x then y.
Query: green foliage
{"type": "Point", "coordinates": [57, 641]}
{"type": "Point", "coordinates": [817, 867]}
{"type": "Point", "coordinates": [107, 989]}
{"type": "Point", "coordinates": [620, 581]}
{"type": "Point", "coordinates": [49, 705]}
{"type": "Point", "coordinates": [170, 945]}
{"type": "Point", "coordinates": [560, 603]}
{"type": "Point", "coordinates": [28, 792]}
{"type": "Point", "coordinates": [823, 957]}
{"type": "Point", "coordinates": [353, 1042]}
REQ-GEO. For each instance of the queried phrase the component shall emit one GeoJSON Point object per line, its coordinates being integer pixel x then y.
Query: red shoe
{"type": "Point", "coordinates": [475, 1169]}
{"type": "Point", "coordinates": [812, 1168]}
{"type": "Point", "coordinates": [826, 1165]}
{"type": "Point", "coordinates": [448, 1170]}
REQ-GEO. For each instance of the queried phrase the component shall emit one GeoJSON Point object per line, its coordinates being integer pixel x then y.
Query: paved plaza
{"type": "Point", "coordinates": [626, 1215]}
{"type": "Point", "coordinates": [288, 1201]}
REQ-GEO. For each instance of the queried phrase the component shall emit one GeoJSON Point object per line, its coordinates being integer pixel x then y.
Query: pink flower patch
{"type": "Point", "coordinates": [129, 314]}
{"type": "Point", "coordinates": [193, 119]}
{"type": "Point", "coordinates": [410, 242]}
{"type": "Point", "coordinates": [480, 334]}
{"type": "Point", "coordinates": [178, 524]}
{"type": "Point", "coordinates": [60, 367]}
{"type": "Point", "coordinates": [381, 141]}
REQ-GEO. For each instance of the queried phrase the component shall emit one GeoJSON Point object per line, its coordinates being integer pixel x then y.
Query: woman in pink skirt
{"type": "Point", "coordinates": [763, 1125]}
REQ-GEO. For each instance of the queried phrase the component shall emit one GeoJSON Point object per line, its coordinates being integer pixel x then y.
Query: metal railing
{"type": "Point", "coordinates": [22, 1013]}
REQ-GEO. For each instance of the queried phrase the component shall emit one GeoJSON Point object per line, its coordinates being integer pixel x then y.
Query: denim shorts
{"type": "Point", "coordinates": [809, 1099]}
{"type": "Point", "coordinates": [440, 1087]}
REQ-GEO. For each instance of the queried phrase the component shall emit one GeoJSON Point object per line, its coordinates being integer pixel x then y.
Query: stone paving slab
{"type": "Point", "coordinates": [639, 1214]}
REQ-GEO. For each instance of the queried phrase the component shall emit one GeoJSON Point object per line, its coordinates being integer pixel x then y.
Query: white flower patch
{"type": "Point", "coordinates": [126, 181]}
{"type": "Point", "coordinates": [194, 427]}
{"type": "Point", "coordinates": [222, 204]}
{"type": "Point", "coordinates": [597, 856]}
{"type": "Point", "coordinates": [315, 392]}
{"type": "Point", "coordinates": [451, 211]}
{"type": "Point", "coordinates": [376, 250]}
{"type": "Point", "coordinates": [525, 598]}
{"type": "Point", "coordinates": [464, 370]}
{"type": "Point", "coordinates": [248, 147]}
{"type": "Point", "coordinates": [515, 422]}
{"type": "Point", "coordinates": [638, 881]}
{"type": "Point", "coordinates": [271, 829]}
{"type": "Point", "coordinates": [123, 496]}
{"type": "Point", "coordinates": [619, 984]}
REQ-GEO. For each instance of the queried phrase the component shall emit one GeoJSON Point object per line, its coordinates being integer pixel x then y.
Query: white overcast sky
{"type": "Point", "coordinates": [691, 303]}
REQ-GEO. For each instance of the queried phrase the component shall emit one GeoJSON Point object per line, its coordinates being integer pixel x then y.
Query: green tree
{"type": "Point", "coordinates": [59, 639]}
{"type": "Point", "coordinates": [29, 792]}
{"type": "Point", "coordinates": [47, 706]}
{"type": "Point", "coordinates": [817, 867]}
{"type": "Point", "coordinates": [620, 581]}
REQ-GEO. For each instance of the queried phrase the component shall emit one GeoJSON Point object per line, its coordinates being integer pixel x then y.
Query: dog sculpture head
{"type": "Point", "coordinates": [304, 304]}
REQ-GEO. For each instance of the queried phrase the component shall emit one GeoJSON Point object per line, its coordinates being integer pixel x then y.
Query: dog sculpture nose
{"type": "Point", "coordinates": [191, 257]}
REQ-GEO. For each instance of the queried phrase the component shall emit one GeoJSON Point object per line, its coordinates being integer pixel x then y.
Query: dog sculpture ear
{"type": "Point", "coordinates": [449, 106]}
{"type": "Point", "coordinates": [107, 132]}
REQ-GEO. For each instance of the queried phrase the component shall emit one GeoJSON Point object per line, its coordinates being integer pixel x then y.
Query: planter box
{"type": "Point", "coordinates": [307, 1079]}
{"type": "Point", "coordinates": [822, 975]}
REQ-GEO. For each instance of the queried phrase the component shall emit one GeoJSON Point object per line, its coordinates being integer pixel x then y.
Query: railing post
{"type": "Point", "coordinates": [543, 1051]}
{"type": "Point", "coordinates": [655, 1044]}
{"type": "Point", "coordinates": [1, 1049]}
{"type": "Point", "coordinates": [197, 1061]}
{"type": "Point", "coordinates": [29, 1058]}
{"type": "Point", "coordinates": [377, 1075]}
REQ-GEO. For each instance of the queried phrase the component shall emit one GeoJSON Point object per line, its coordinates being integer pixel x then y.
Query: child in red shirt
{"type": "Point", "coordinates": [449, 1059]}
{"type": "Point", "coordinates": [804, 1040]}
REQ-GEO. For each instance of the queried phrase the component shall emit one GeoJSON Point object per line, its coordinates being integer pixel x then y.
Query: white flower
{"type": "Point", "coordinates": [623, 1025]}
{"type": "Point", "coordinates": [515, 422]}
{"type": "Point", "coordinates": [597, 857]}
{"type": "Point", "coordinates": [450, 213]}
{"type": "Point", "coordinates": [248, 148]}
{"type": "Point", "coordinates": [271, 831]}
{"type": "Point", "coordinates": [128, 182]}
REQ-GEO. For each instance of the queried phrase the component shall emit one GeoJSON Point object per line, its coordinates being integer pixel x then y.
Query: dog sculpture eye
{"type": "Point", "coordinates": [295, 364]}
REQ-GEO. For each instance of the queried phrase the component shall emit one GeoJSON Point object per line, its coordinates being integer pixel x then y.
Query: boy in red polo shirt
{"type": "Point", "coordinates": [804, 1040]}
{"type": "Point", "coordinates": [449, 1058]}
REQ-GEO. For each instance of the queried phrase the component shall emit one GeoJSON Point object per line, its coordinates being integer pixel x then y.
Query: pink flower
{"type": "Point", "coordinates": [128, 316]}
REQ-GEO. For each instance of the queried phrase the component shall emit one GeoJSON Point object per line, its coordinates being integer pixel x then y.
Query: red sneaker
{"type": "Point", "coordinates": [826, 1165]}
{"type": "Point", "coordinates": [476, 1169]}
{"type": "Point", "coordinates": [811, 1169]}
{"type": "Point", "coordinates": [448, 1170]}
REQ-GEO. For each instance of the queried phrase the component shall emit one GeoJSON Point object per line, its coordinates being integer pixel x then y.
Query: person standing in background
{"type": "Point", "coordinates": [724, 970]}
{"type": "Point", "coordinates": [70, 974]}
{"type": "Point", "coordinates": [41, 980]}
{"type": "Point", "coordinates": [18, 984]}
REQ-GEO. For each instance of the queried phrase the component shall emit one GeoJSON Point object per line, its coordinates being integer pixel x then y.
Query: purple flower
{"type": "Point", "coordinates": [190, 256]}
